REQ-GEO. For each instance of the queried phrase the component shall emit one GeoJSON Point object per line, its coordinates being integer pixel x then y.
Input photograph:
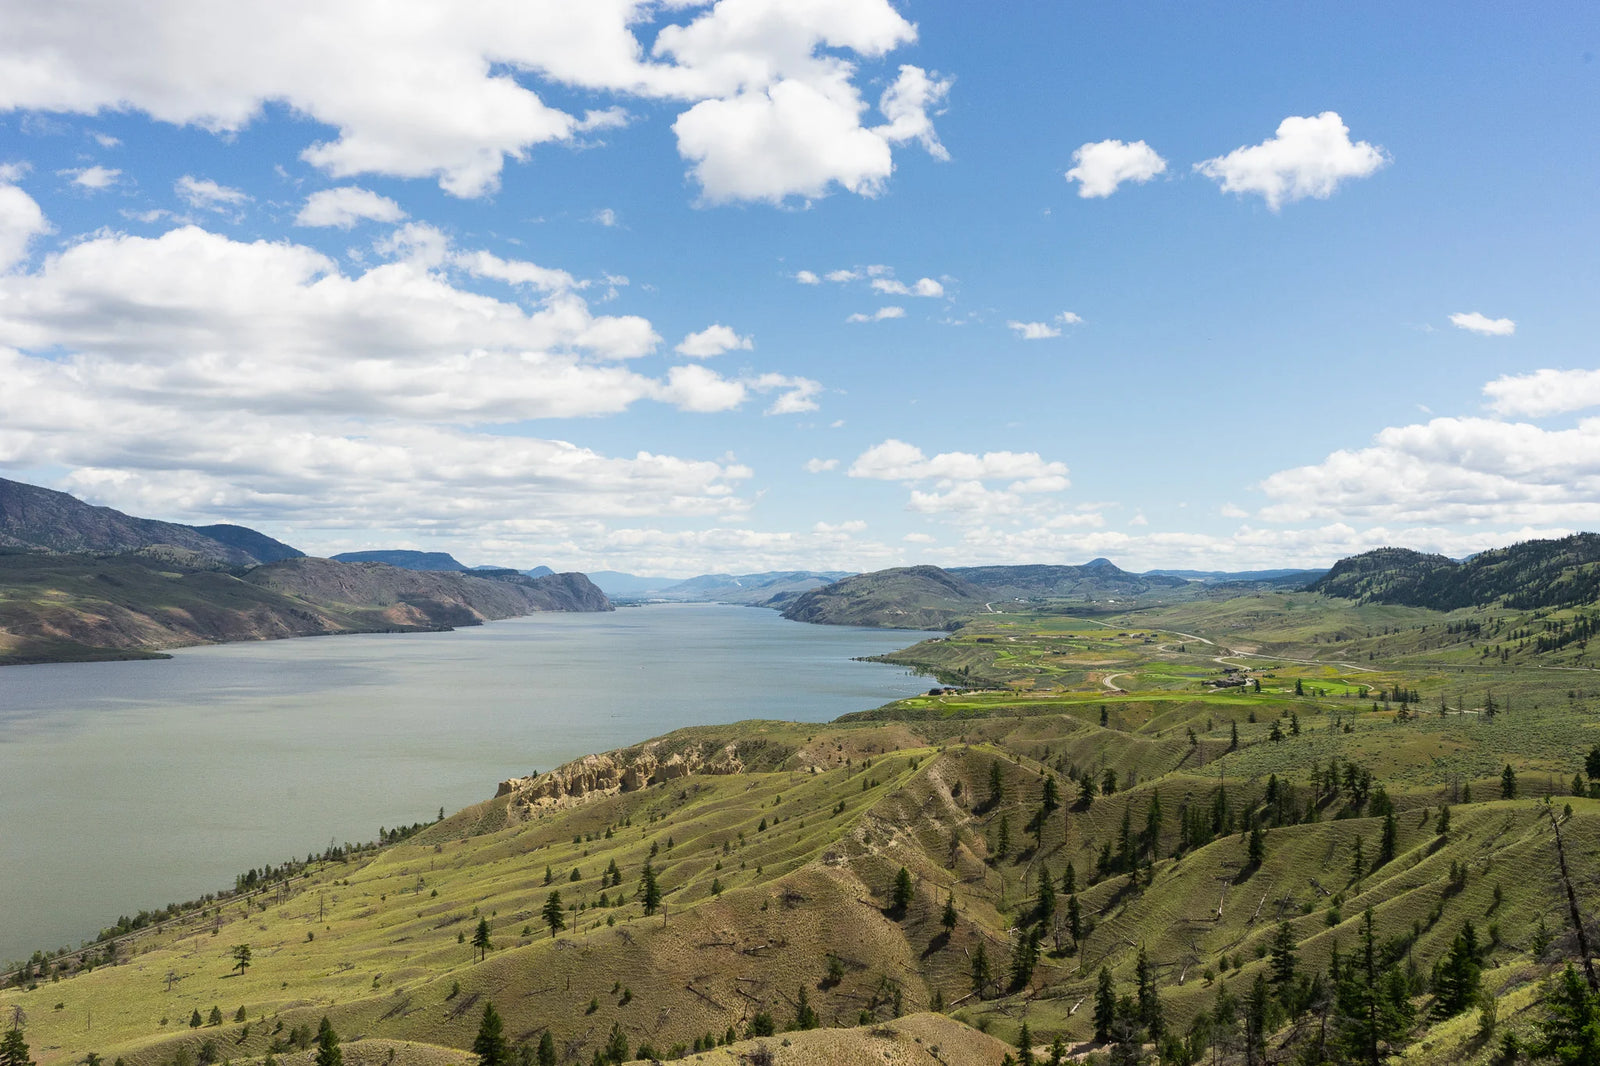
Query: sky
{"type": "Point", "coordinates": [681, 287]}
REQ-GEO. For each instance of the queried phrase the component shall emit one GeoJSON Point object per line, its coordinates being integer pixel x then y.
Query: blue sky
{"type": "Point", "coordinates": [550, 283]}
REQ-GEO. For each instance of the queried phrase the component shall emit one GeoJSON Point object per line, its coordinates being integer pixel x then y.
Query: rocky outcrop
{"type": "Point", "coordinates": [627, 770]}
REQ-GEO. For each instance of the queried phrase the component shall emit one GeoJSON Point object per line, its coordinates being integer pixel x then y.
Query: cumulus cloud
{"type": "Point", "coordinates": [796, 395]}
{"type": "Point", "coordinates": [765, 85]}
{"type": "Point", "coordinates": [895, 460]}
{"type": "Point", "coordinates": [519, 272]}
{"type": "Point", "coordinates": [842, 275]}
{"type": "Point", "coordinates": [1309, 156]}
{"type": "Point", "coordinates": [806, 277]}
{"type": "Point", "coordinates": [714, 340]}
{"type": "Point", "coordinates": [21, 220]}
{"type": "Point", "coordinates": [1483, 324]}
{"type": "Point", "coordinates": [605, 216]}
{"type": "Point", "coordinates": [1451, 472]}
{"type": "Point", "coordinates": [879, 315]}
{"type": "Point", "coordinates": [818, 466]}
{"type": "Point", "coordinates": [1039, 331]}
{"type": "Point", "coordinates": [343, 207]}
{"type": "Point", "coordinates": [92, 178]}
{"type": "Point", "coordinates": [1544, 392]}
{"type": "Point", "coordinates": [207, 195]}
{"type": "Point", "coordinates": [1099, 167]}
{"type": "Point", "coordinates": [921, 287]}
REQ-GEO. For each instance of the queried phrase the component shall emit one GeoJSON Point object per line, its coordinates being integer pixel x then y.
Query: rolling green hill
{"type": "Point", "coordinates": [1217, 844]}
{"type": "Point", "coordinates": [911, 597]}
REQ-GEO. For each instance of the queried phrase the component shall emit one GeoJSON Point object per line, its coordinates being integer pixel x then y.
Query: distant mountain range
{"type": "Point", "coordinates": [768, 589]}
{"type": "Point", "coordinates": [1526, 576]}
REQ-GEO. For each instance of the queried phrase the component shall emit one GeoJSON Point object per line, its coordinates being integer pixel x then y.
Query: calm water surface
{"type": "Point", "coordinates": [129, 785]}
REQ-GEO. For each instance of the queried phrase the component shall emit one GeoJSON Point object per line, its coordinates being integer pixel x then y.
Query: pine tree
{"type": "Point", "coordinates": [1508, 783]}
{"type": "Point", "coordinates": [1233, 736]}
{"type": "Point", "coordinates": [1457, 975]}
{"type": "Point", "coordinates": [490, 1045]}
{"type": "Point", "coordinates": [1571, 1030]}
{"type": "Point", "coordinates": [1025, 959]}
{"type": "Point", "coordinates": [1003, 843]}
{"type": "Point", "coordinates": [1256, 851]}
{"type": "Point", "coordinates": [1074, 920]}
{"type": "Point", "coordinates": [981, 974]}
{"type": "Point", "coordinates": [649, 890]}
{"type": "Point", "coordinates": [901, 898]}
{"type": "Point", "coordinates": [997, 787]}
{"type": "Point", "coordinates": [1047, 895]}
{"type": "Point", "coordinates": [1372, 1003]}
{"type": "Point", "coordinates": [328, 1053]}
{"type": "Point", "coordinates": [554, 914]}
{"type": "Point", "coordinates": [1442, 827]}
{"type": "Point", "coordinates": [1086, 790]}
{"type": "Point", "coordinates": [948, 918]}
{"type": "Point", "coordinates": [547, 1050]}
{"type": "Point", "coordinates": [1069, 879]}
{"type": "Point", "coordinates": [241, 957]}
{"type": "Point", "coordinates": [14, 1049]}
{"type": "Point", "coordinates": [480, 939]}
{"type": "Point", "coordinates": [1283, 957]}
{"type": "Point", "coordinates": [1052, 795]}
{"type": "Point", "coordinates": [616, 1049]}
{"type": "Point", "coordinates": [1358, 864]}
{"type": "Point", "coordinates": [1105, 1006]}
{"type": "Point", "coordinates": [1150, 1013]}
{"type": "Point", "coordinates": [1386, 843]}
{"type": "Point", "coordinates": [1025, 1046]}
{"type": "Point", "coordinates": [804, 1016]}
{"type": "Point", "coordinates": [1257, 1018]}
{"type": "Point", "coordinates": [195, 1021]}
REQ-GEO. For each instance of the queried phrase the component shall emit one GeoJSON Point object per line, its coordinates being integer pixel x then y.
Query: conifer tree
{"type": "Point", "coordinates": [804, 1016]}
{"type": "Point", "coordinates": [1571, 1030]}
{"type": "Point", "coordinates": [948, 918]}
{"type": "Point", "coordinates": [490, 1045]}
{"type": "Point", "coordinates": [997, 787]}
{"type": "Point", "coordinates": [14, 1049]}
{"type": "Point", "coordinates": [1105, 1006]}
{"type": "Point", "coordinates": [981, 974]}
{"type": "Point", "coordinates": [328, 1053]}
{"type": "Point", "coordinates": [1508, 783]}
{"type": "Point", "coordinates": [1386, 843]}
{"type": "Point", "coordinates": [1283, 957]}
{"type": "Point", "coordinates": [649, 890]}
{"type": "Point", "coordinates": [554, 914]}
{"type": "Point", "coordinates": [900, 900]}
{"type": "Point", "coordinates": [1025, 1046]}
{"type": "Point", "coordinates": [1047, 895]}
{"type": "Point", "coordinates": [1074, 920]}
{"type": "Point", "coordinates": [480, 939]}
{"type": "Point", "coordinates": [1149, 1001]}
{"type": "Point", "coordinates": [546, 1055]}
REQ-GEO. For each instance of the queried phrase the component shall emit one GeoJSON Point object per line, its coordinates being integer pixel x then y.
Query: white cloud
{"type": "Point", "coordinates": [906, 104]}
{"type": "Point", "coordinates": [806, 277]}
{"type": "Point", "coordinates": [714, 340]}
{"type": "Point", "coordinates": [454, 92]}
{"type": "Point", "coordinates": [1307, 157]}
{"type": "Point", "coordinates": [818, 466]}
{"type": "Point", "coordinates": [1033, 331]}
{"type": "Point", "coordinates": [895, 460]}
{"type": "Point", "coordinates": [1039, 331]}
{"type": "Point", "coordinates": [1544, 392]}
{"type": "Point", "coordinates": [346, 205]}
{"type": "Point", "coordinates": [919, 538]}
{"type": "Point", "coordinates": [21, 220]}
{"type": "Point", "coordinates": [1100, 166]}
{"type": "Point", "coordinates": [922, 287]}
{"type": "Point", "coordinates": [521, 272]}
{"type": "Point", "coordinates": [605, 216]}
{"type": "Point", "coordinates": [13, 172]}
{"type": "Point", "coordinates": [879, 315]}
{"type": "Point", "coordinates": [1230, 510]}
{"type": "Point", "coordinates": [842, 275]}
{"type": "Point", "coordinates": [699, 388]}
{"type": "Point", "coordinates": [1483, 324]}
{"type": "Point", "coordinates": [1451, 472]}
{"type": "Point", "coordinates": [796, 395]}
{"type": "Point", "coordinates": [206, 194]}
{"type": "Point", "coordinates": [92, 178]}
{"type": "Point", "coordinates": [855, 525]}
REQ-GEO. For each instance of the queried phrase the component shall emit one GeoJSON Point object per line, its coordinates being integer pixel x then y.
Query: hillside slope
{"type": "Point", "coordinates": [57, 608]}
{"type": "Point", "coordinates": [34, 517]}
{"type": "Point", "coordinates": [1097, 580]}
{"type": "Point", "coordinates": [404, 559]}
{"type": "Point", "coordinates": [912, 597]}
{"type": "Point", "coordinates": [1533, 574]}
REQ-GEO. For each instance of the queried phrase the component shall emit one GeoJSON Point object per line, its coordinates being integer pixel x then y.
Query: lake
{"type": "Point", "coordinates": [129, 785]}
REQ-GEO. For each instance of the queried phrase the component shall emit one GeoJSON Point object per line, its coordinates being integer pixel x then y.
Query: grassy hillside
{"type": "Point", "coordinates": [1195, 825]}
{"type": "Point", "coordinates": [1530, 575]}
